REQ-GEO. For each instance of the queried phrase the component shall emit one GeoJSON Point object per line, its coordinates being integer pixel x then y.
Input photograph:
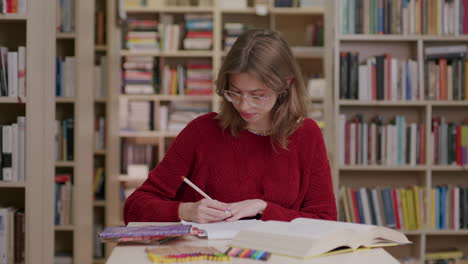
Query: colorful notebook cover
{"type": "Point", "coordinates": [145, 231]}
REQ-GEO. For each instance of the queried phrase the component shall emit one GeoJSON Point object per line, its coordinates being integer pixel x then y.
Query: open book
{"type": "Point", "coordinates": [306, 238]}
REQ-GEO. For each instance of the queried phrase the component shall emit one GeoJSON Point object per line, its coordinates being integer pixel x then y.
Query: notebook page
{"type": "Point", "coordinates": [224, 230]}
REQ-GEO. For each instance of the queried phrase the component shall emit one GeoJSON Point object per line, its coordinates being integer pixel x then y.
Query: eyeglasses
{"type": "Point", "coordinates": [235, 98]}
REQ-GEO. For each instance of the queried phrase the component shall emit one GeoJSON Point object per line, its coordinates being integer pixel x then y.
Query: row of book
{"type": "Point", "coordinates": [65, 76]}
{"type": "Point", "coordinates": [195, 78]}
{"type": "Point", "coordinates": [64, 138]}
{"type": "Point", "coordinates": [373, 142]}
{"type": "Point", "coordinates": [63, 199]}
{"type": "Point", "coordinates": [13, 151]}
{"type": "Point", "coordinates": [12, 235]}
{"type": "Point", "coordinates": [445, 73]}
{"type": "Point", "coordinates": [405, 208]}
{"type": "Point", "coordinates": [141, 76]}
{"type": "Point", "coordinates": [13, 72]}
{"type": "Point", "coordinates": [443, 17]}
{"type": "Point", "coordinates": [450, 141]}
{"type": "Point", "coordinates": [13, 7]}
{"type": "Point", "coordinates": [381, 77]}
{"type": "Point", "coordinates": [65, 16]}
{"type": "Point", "coordinates": [177, 115]}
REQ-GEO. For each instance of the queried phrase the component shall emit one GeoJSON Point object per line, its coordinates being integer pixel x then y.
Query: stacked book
{"type": "Point", "coordinates": [199, 32]}
{"type": "Point", "coordinates": [199, 78]}
{"type": "Point", "coordinates": [142, 34]}
{"type": "Point", "coordinates": [231, 32]}
{"type": "Point", "coordinates": [374, 143]}
{"type": "Point", "coordinates": [381, 77]}
{"type": "Point", "coordinates": [136, 115]}
{"type": "Point", "coordinates": [181, 113]}
{"type": "Point", "coordinates": [147, 234]}
{"type": "Point", "coordinates": [444, 73]}
{"type": "Point", "coordinates": [140, 75]}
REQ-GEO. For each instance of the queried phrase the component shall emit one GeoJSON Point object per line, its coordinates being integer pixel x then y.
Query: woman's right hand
{"type": "Point", "coordinates": [203, 211]}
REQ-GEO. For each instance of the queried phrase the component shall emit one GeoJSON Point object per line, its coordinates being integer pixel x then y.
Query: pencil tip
{"type": "Point", "coordinates": [183, 177]}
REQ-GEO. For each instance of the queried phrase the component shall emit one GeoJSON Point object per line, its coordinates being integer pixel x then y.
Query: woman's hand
{"type": "Point", "coordinates": [203, 211]}
{"type": "Point", "coordinates": [246, 208]}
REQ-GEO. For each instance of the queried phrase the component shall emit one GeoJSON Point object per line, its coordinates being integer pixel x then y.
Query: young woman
{"type": "Point", "coordinates": [259, 157]}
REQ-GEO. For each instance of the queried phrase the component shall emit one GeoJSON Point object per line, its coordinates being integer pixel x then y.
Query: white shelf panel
{"type": "Point", "coordinates": [169, 9]}
{"type": "Point", "coordinates": [5, 184]}
{"type": "Point", "coordinates": [449, 168]}
{"type": "Point", "coordinates": [381, 103]}
{"type": "Point", "coordinates": [100, 48]}
{"type": "Point", "coordinates": [383, 168]}
{"type": "Point", "coordinates": [249, 10]}
{"type": "Point", "coordinates": [449, 103]}
{"type": "Point", "coordinates": [64, 164]}
{"type": "Point", "coordinates": [461, 232]}
{"type": "Point", "coordinates": [70, 100]}
{"type": "Point", "coordinates": [180, 53]}
{"type": "Point", "coordinates": [65, 35]}
{"type": "Point", "coordinates": [126, 178]}
{"type": "Point", "coordinates": [143, 134]}
{"type": "Point", "coordinates": [99, 203]}
{"type": "Point", "coordinates": [64, 228]}
{"type": "Point", "coordinates": [13, 17]}
{"type": "Point", "coordinates": [100, 100]}
{"type": "Point", "coordinates": [297, 10]}
{"type": "Point", "coordinates": [168, 97]}
{"type": "Point", "coordinates": [100, 151]}
{"type": "Point", "coordinates": [12, 100]}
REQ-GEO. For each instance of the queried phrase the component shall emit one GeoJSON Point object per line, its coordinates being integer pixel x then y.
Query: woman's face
{"type": "Point", "coordinates": [252, 99]}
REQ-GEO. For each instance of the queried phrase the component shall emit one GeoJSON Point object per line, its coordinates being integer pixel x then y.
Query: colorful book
{"type": "Point", "coordinates": [146, 231]}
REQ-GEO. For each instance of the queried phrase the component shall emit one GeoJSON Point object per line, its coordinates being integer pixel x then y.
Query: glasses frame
{"type": "Point", "coordinates": [263, 99]}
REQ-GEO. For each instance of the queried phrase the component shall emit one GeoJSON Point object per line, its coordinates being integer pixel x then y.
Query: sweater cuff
{"type": "Point", "coordinates": [166, 212]}
{"type": "Point", "coordinates": [272, 212]}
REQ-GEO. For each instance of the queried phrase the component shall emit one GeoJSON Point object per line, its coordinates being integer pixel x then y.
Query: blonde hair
{"type": "Point", "coordinates": [267, 56]}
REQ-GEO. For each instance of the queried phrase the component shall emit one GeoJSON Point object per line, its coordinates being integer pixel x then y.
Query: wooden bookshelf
{"type": "Point", "coordinates": [80, 45]}
{"type": "Point", "coordinates": [427, 175]}
{"type": "Point", "coordinates": [37, 36]}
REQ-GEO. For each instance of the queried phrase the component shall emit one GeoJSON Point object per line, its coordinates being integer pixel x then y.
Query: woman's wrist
{"type": "Point", "coordinates": [183, 211]}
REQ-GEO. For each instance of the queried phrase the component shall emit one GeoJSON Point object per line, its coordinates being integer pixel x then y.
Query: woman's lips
{"type": "Point", "coordinates": [247, 115]}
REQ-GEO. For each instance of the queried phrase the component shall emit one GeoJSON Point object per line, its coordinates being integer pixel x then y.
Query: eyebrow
{"type": "Point", "coordinates": [253, 91]}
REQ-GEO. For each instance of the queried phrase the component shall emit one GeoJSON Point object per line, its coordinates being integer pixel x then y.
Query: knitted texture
{"type": "Point", "coordinates": [294, 182]}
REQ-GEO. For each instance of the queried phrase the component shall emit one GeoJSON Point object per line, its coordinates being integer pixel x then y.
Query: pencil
{"type": "Point", "coordinates": [196, 188]}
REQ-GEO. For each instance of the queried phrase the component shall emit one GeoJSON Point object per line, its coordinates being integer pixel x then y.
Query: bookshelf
{"type": "Point", "coordinates": [32, 29]}
{"type": "Point", "coordinates": [421, 172]}
{"type": "Point", "coordinates": [74, 148]}
{"type": "Point", "coordinates": [315, 61]}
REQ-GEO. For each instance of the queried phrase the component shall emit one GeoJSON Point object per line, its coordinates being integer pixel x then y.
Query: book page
{"type": "Point", "coordinates": [224, 230]}
{"type": "Point", "coordinates": [366, 235]}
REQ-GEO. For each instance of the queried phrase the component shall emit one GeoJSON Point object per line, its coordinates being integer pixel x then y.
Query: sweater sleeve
{"type": "Point", "coordinates": [319, 199]}
{"type": "Point", "coordinates": [154, 200]}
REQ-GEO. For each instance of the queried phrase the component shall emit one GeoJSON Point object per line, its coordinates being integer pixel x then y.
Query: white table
{"type": "Point", "coordinates": [135, 254]}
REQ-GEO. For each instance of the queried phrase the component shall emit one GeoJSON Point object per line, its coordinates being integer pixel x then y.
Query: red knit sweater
{"type": "Point", "coordinates": [294, 183]}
